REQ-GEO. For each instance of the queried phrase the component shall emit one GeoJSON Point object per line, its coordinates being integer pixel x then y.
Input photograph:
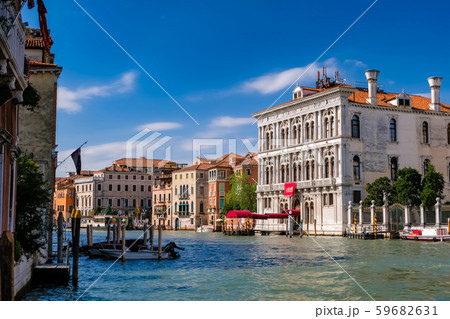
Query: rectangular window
{"type": "Point", "coordinates": [99, 187]}
{"type": "Point", "coordinates": [325, 199]}
{"type": "Point", "coordinates": [202, 190]}
{"type": "Point", "coordinates": [110, 202]}
{"type": "Point", "coordinates": [142, 188]}
{"type": "Point", "coordinates": [330, 199]}
{"type": "Point", "coordinates": [134, 188]}
{"type": "Point", "coordinates": [118, 176]}
{"type": "Point", "coordinates": [221, 187]}
{"type": "Point", "coordinates": [99, 202]}
{"type": "Point", "coordinates": [248, 171]}
{"type": "Point", "coordinates": [118, 188]}
{"type": "Point", "coordinates": [134, 203]}
{"type": "Point", "coordinates": [356, 197]}
{"type": "Point", "coordinates": [221, 203]}
{"type": "Point", "coordinates": [118, 202]}
{"type": "Point", "coordinates": [201, 175]}
{"type": "Point", "coordinates": [110, 187]}
{"type": "Point", "coordinates": [126, 188]}
{"type": "Point", "coordinates": [134, 176]}
{"type": "Point", "coordinates": [192, 175]}
{"type": "Point", "coordinates": [126, 202]}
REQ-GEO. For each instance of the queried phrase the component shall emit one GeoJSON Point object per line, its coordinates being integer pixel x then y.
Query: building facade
{"type": "Point", "coordinates": [64, 197]}
{"type": "Point", "coordinates": [162, 212]}
{"type": "Point", "coordinates": [334, 139]}
{"type": "Point", "coordinates": [189, 189]}
{"type": "Point", "coordinates": [38, 126]}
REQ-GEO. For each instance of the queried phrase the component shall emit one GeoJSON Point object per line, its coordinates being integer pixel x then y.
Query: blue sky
{"type": "Point", "coordinates": [222, 61]}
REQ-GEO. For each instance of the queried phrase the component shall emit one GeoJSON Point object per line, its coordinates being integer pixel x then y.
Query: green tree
{"type": "Point", "coordinates": [242, 195]}
{"type": "Point", "coordinates": [432, 187]}
{"type": "Point", "coordinates": [33, 197]}
{"type": "Point", "coordinates": [108, 210]}
{"type": "Point", "coordinates": [376, 190]}
{"type": "Point", "coordinates": [408, 186]}
{"type": "Point", "coordinates": [97, 211]}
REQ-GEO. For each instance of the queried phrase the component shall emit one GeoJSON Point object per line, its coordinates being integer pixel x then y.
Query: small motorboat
{"type": "Point", "coordinates": [142, 253]}
{"type": "Point", "coordinates": [205, 229]}
{"type": "Point", "coordinates": [426, 234]}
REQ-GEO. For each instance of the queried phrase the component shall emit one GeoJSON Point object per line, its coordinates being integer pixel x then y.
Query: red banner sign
{"type": "Point", "coordinates": [289, 189]}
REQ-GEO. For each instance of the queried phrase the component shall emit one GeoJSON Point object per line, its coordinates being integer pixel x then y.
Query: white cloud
{"type": "Point", "coordinates": [228, 121]}
{"type": "Point", "coordinates": [427, 95]}
{"type": "Point", "coordinates": [160, 126]}
{"type": "Point", "coordinates": [275, 82]}
{"type": "Point", "coordinates": [356, 63]}
{"type": "Point", "coordinates": [71, 100]}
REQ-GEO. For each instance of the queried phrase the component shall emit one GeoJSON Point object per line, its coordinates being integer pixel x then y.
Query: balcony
{"type": "Point", "coordinates": [12, 38]}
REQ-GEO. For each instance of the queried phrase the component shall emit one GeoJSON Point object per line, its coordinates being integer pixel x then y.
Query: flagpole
{"type": "Point", "coordinates": [71, 154]}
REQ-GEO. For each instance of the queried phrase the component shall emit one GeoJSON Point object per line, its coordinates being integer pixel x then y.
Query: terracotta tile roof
{"type": "Point", "coordinates": [417, 102]}
{"type": "Point", "coordinates": [34, 44]}
{"type": "Point", "coordinates": [360, 95]}
{"type": "Point", "coordinates": [32, 64]}
{"type": "Point", "coordinates": [143, 162]}
{"type": "Point", "coordinates": [202, 167]}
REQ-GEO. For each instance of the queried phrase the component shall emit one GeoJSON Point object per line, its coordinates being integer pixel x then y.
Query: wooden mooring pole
{"type": "Point", "coordinates": [76, 224]}
{"type": "Point", "coordinates": [114, 234]}
{"type": "Point", "coordinates": [60, 238]}
{"type": "Point", "coordinates": [108, 230]}
{"type": "Point", "coordinates": [152, 231]}
{"type": "Point", "coordinates": [123, 242]}
{"type": "Point", "coordinates": [159, 241]}
{"type": "Point", "coordinates": [145, 234]}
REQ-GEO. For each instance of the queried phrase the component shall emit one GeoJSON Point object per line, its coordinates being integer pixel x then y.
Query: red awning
{"type": "Point", "coordinates": [294, 212]}
{"type": "Point", "coordinates": [259, 216]}
{"type": "Point", "coordinates": [239, 214]}
{"type": "Point", "coordinates": [279, 215]}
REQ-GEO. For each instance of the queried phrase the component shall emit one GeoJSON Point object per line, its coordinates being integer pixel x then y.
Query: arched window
{"type": "Point", "coordinates": [307, 133]}
{"type": "Point", "coordinates": [332, 167]}
{"type": "Point", "coordinates": [355, 126]}
{"type": "Point", "coordinates": [312, 169]}
{"type": "Point", "coordinates": [192, 207]}
{"type": "Point", "coordinates": [356, 168]}
{"type": "Point", "coordinates": [425, 135]}
{"type": "Point", "coordinates": [282, 137]}
{"type": "Point", "coordinates": [294, 133]}
{"type": "Point", "coordinates": [327, 168]}
{"type": "Point", "coordinates": [267, 141]}
{"type": "Point", "coordinates": [332, 126]}
{"type": "Point", "coordinates": [298, 134]}
{"type": "Point", "coordinates": [307, 171]}
{"type": "Point", "coordinates": [176, 206]}
{"type": "Point", "coordinates": [393, 130]}
{"type": "Point", "coordinates": [201, 206]}
{"type": "Point", "coordinates": [312, 130]}
{"type": "Point", "coordinates": [294, 170]}
{"type": "Point", "coordinates": [327, 127]}
{"type": "Point", "coordinates": [267, 175]}
{"type": "Point", "coordinates": [394, 168]}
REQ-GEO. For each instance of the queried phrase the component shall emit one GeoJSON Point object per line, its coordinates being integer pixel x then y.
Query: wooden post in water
{"type": "Point", "coordinates": [315, 229]}
{"type": "Point", "coordinates": [7, 266]}
{"type": "Point", "coordinates": [67, 254]}
{"type": "Point", "coordinates": [152, 233]}
{"type": "Point", "coordinates": [114, 234]}
{"type": "Point", "coordinates": [119, 229]}
{"type": "Point", "coordinates": [60, 237]}
{"type": "Point", "coordinates": [123, 242]}
{"type": "Point", "coordinates": [145, 234]}
{"type": "Point", "coordinates": [108, 230]}
{"type": "Point", "coordinates": [159, 241]}
{"type": "Point", "coordinates": [50, 237]}
{"type": "Point", "coordinates": [76, 224]}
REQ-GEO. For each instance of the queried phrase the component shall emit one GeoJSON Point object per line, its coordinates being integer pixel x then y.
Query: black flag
{"type": "Point", "coordinates": [76, 156]}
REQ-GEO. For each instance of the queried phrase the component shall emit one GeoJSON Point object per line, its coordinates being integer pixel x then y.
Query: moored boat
{"type": "Point", "coordinates": [205, 229]}
{"type": "Point", "coordinates": [433, 235]}
{"type": "Point", "coordinates": [142, 252]}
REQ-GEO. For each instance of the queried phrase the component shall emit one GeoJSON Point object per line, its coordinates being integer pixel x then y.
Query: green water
{"type": "Point", "coordinates": [218, 267]}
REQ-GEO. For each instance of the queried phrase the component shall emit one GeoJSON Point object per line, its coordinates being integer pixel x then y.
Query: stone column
{"type": "Point", "coordinates": [372, 214]}
{"type": "Point", "coordinates": [407, 215]}
{"type": "Point", "coordinates": [336, 161]}
{"type": "Point", "coordinates": [349, 214]}
{"type": "Point", "coordinates": [360, 214]}
{"type": "Point", "coordinates": [437, 209]}
{"type": "Point", "coordinates": [422, 216]}
{"type": "Point", "coordinates": [385, 211]}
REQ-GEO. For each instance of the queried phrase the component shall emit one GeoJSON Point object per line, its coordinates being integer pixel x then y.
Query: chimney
{"type": "Point", "coordinates": [372, 76]}
{"type": "Point", "coordinates": [435, 84]}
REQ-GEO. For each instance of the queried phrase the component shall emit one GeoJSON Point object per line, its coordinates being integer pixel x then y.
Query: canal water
{"type": "Point", "coordinates": [217, 267]}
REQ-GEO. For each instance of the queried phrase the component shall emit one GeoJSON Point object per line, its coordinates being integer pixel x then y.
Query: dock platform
{"type": "Point", "coordinates": [52, 273]}
{"type": "Point", "coordinates": [249, 232]}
